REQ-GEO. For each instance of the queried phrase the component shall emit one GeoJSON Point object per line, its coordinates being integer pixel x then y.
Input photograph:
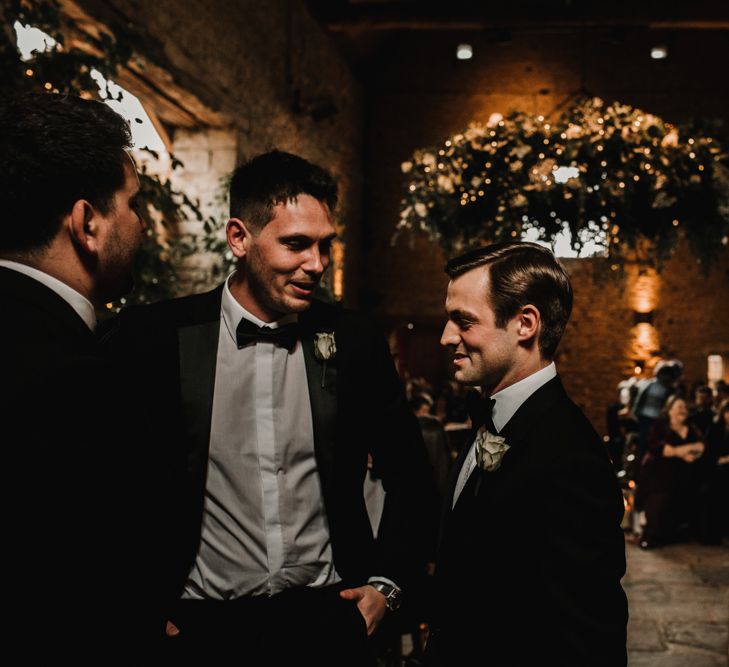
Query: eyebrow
{"type": "Point", "coordinates": [305, 237]}
{"type": "Point", "coordinates": [461, 315]}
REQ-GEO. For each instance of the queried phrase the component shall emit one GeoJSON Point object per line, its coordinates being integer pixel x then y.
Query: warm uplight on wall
{"type": "Point", "coordinates": [338, 272]}
{"type": "Point", "coordinates": [464, 52]}
{"type": "Point", "coordinates": [643, 293]}
{"type": "Point", "coordinates": [714, 368]}
{"type": "Point", "coordinates": [659, 52]}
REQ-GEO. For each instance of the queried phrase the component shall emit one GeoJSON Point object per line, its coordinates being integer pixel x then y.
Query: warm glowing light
{"type": "Point", "coordinates": [659, 52]}
{"type": "Point", "coordinates": [563, 174]}
{"type": "Point", "coordinates": [338, 273]}
{"type": "Point", "coordinates": [464, 52]}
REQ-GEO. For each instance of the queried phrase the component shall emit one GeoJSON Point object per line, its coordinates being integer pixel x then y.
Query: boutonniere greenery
{"type": "Point", "coordinates": [325, 348]}
{"type": "Point", "coordinates": [490, 449]}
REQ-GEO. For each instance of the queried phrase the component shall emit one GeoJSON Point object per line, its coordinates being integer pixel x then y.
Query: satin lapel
{"type": "Point", "coordinates": [198, 351]}
{"type": "Point", "coordinates": [322, 381]}
{"type": "Point", "coordinates": [451, 488]}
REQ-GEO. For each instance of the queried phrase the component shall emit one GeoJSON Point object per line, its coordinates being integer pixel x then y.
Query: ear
{"type": "Point", "coordinates": [239, 237]}
{"type": "Point", "coordinates": [84, 227]}
{"type": "Point", "coordinates": [529, 324]}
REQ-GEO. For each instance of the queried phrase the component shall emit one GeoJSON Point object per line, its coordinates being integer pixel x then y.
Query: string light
{"type": "Point", "coordinates": [29, 72]}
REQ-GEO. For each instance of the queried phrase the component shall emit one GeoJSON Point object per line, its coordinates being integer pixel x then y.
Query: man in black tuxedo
{"type": "Point", "coordinates": [531, 552]}
{"type": "Point", "coordinates": [269, 401]}
{"type": "Point", "coordinates": [70, 230]}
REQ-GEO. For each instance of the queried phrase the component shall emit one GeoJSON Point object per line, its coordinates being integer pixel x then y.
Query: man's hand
{"type": "Point", "coordinates": [370, 602]}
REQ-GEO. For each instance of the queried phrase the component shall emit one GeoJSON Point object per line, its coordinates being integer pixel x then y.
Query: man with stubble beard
{"type": "Point", "coordinates": [269, 402]}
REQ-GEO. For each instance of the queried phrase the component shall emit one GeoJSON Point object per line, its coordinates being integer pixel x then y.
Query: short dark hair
{"type": "Point", "coordinates": [55, 150]}
{"type": "Point", "coordinates": [276, 178]}
{"type": "Point", "coordinates": [522, 273]}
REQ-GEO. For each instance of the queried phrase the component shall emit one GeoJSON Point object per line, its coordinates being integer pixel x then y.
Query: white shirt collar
{"type": "Point", "coordinates": [233, 312]}
{"type": "Point", "coordinates": [83, 307]}
{"type": "Point", "coordinates": [509, 400]}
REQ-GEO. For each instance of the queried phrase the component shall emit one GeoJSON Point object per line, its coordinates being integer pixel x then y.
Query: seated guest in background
{"type": "Point", "coordinates": [714, 491]}
{"type": "Point", "coordinates": [70, 230]}
{"type": "Point", "coordinates": [268, 403]}
{"type": "Point", "coordinates": [702, 412]}
{"type": "Point", "coordinates": [668, 480]}
{"type": "Point", "coordinates": [531, 550]}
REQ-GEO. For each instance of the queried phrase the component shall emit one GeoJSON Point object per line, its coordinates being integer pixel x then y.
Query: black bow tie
{"type": "Point", "coordinates": [285, 336]}
{"type": "Point", "coordinates": [479, 410]}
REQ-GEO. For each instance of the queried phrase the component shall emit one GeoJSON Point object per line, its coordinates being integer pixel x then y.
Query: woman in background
{"type": "Point", "coordinates": [669, 475]}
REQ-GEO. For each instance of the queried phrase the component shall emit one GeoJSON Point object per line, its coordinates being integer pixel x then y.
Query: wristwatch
{"type": "Point", "coordinates": [393, 595]}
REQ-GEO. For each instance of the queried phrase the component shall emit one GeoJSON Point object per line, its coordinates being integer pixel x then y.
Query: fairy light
{"type": "Point", "coordinates": [29, 72]}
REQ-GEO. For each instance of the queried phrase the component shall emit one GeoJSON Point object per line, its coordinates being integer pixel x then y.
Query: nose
{"type": "Point", "coordinates": [315, 263]}
{"type": "Point", "coordinates": [450, 335]}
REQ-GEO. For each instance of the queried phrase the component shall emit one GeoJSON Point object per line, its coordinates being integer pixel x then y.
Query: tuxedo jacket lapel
{"type": "Point", "coordinates": [515, 431]}
{"type": "Point", "coordinates": [322, 382]}
{"type": "Point", "coordinates": [451, 486]}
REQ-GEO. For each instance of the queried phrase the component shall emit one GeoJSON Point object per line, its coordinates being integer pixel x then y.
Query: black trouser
{"type": "Point", "coordinates": [300, 626]}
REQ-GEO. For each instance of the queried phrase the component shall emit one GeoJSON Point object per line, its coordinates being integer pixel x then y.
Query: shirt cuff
{"type": "Point", "coordinates": [383, 580]}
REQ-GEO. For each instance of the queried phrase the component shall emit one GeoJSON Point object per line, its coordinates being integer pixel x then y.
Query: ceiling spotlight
{"type": "Point", "coordinates": [659, 52]}
{"type": "Point", "coordinates": [464, 52]}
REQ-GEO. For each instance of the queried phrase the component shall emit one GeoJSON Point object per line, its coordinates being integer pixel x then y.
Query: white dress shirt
{"type": "Point", "coordinates": [264, 524]}
{"type": "Point", "coordinates": [76, 300]}
{"type": "Point", "coordinates": [507, 402]}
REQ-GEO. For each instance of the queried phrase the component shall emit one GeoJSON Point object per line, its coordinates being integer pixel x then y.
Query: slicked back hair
{"type": "Point", "coordinates": [54, 151]}
{"type": "Point", "coordinates": [276, 178]}
{"type": "Point", "coordinates": [522, 273]}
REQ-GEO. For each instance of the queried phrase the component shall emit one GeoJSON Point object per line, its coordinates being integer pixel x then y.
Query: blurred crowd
{"type": "Point", "coordinates": [669, 443]}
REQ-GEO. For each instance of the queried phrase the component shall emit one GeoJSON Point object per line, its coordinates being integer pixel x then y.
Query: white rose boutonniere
{"type": "Point", "coordinates": [490, 449]}
{"type": "Point", "coordinates": [325, 348]}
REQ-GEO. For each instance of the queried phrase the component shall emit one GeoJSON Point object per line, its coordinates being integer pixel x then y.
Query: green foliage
{"type": "Point", "coordinates": [614, 175]}
{"type": "Point", "coordinates": [64, 69]}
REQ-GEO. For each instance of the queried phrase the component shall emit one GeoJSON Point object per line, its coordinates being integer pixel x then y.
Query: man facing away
{"type": "Point", "coordinates": [69, 234]}
{"type": "Point", "coordinates": [531, 552]}
{"type": "Point", "coordinates": [269, 402]}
